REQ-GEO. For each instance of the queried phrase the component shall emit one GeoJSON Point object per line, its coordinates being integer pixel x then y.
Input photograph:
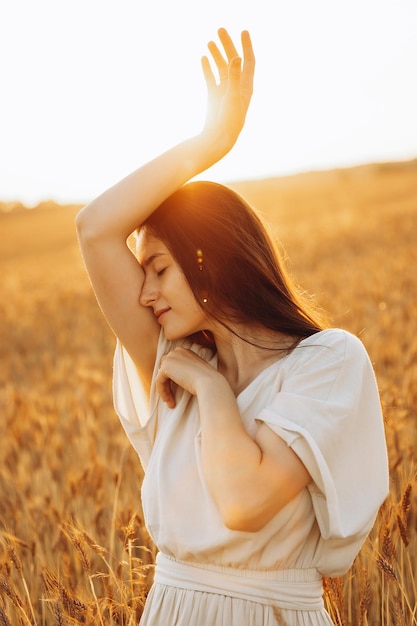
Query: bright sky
{"type": "Point", "coordinates": [91, 89]}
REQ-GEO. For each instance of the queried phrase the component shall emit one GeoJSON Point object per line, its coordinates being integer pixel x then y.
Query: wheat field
{"type": "Point", "coordinates": [73, 547]}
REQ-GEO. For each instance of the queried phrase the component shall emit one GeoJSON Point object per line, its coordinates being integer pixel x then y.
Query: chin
{"type": "Point", "coordinates": [175, 335]}
{"type": "Point", "coordinates": [172, 335]}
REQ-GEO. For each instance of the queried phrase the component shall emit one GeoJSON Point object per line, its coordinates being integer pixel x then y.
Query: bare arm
{"type": "Point", "coordinates": [104, 225]}
{"type": "Point", "coordinates": [250, 480]}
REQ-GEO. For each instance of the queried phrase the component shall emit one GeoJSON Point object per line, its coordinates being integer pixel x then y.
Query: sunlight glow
{"type": "Point", "coordinates": [96, 89]}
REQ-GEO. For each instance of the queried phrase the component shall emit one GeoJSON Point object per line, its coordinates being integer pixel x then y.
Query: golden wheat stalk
{"type": "Point", "coordinates": [9, 591]}
{"type": "Point", "coordinates": [19, 567]}
{"type": "Point", "coordinates": [406, 499]}
{"type": "Point", "coordinates": [4, 620]}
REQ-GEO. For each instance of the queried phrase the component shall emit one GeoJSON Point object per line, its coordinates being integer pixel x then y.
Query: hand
{"type": "Point", "coordinates": [184, 368]}
{"type": "Point", "coordinates": [228, 100]}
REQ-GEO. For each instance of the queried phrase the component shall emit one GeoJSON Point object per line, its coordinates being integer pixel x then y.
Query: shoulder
{"type": "Point", "coordinates": [331, 344]}
{"type": "Point", "coordinates": [330, 361]}
{"type": "Point", "coordinates": [335, 338]}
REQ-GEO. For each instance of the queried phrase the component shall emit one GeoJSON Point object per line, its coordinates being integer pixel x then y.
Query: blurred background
{"type": "Point", "coordinates": [91, 90]}
{"type": "Point", "coordinates": [94, 88]}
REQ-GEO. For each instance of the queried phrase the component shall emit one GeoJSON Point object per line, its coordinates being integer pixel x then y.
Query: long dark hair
{"type": "Point", "coordinates": [230, 260]}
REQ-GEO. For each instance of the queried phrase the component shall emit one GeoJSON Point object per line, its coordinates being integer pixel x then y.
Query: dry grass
{"type": "Point", "coordinates": [73, 548]}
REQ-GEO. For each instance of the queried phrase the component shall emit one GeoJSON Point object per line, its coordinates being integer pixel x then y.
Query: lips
{"type": "Point", "coordinates": [160, 312]}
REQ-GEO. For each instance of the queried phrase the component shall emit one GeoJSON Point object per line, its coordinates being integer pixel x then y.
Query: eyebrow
{"type": "Point", "coordinates": [149, 260]}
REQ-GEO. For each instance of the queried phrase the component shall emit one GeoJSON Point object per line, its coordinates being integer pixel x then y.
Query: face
{"type": "Point", "coordinates": [167, 291]}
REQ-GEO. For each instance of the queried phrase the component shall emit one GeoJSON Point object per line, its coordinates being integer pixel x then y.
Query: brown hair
{"type": "Point", "coordinates": [229, 259]}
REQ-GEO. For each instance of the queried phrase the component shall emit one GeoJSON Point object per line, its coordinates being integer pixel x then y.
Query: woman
{"type": "Point", "coordinates": [259, 428]}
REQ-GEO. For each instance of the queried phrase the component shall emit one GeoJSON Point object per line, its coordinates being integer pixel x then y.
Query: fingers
{"type": "Point", "coordinates": [248, 71]}
{"type": "Point", "coordinates": [163, 386]}
{"type": "Point", "coordinates": [228, 44]}
{"type": "Point", "coordinates": [208, 74]}
{"type": "Point", "coordinates": [224, 66]}
{"type": "Point", "coordinates": [179, 368]}
{"type": "Point", "coordinates": [221, 64]}
{"type": "Point", "coordinates": [229, 49]}
{"type": "Point", "coordinates": [248, 54]}
{"type": "Point", "coordinates": [231, 68]}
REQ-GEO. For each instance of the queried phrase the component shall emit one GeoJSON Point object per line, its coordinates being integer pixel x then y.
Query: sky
{"type": "Point", "coordinates": [92, 89]}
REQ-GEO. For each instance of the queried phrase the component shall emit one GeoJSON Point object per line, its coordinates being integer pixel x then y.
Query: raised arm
{"type": "Point", "coordinates": [104, 225]}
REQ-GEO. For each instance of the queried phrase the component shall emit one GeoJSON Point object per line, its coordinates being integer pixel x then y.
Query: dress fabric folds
{"type": "Point", "coordinates": [322, 400]}
{"type": "Point", "coordinates": [218, 596]}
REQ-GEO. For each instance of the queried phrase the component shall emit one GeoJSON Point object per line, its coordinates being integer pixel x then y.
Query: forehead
{"type": "Point", "coordinates": [147, 245]}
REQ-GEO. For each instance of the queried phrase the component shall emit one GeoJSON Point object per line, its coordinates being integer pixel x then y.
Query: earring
{"type": "Point", "coordinates": [200, 259]}
{"type": "Point", "coordinates": [199, 253]}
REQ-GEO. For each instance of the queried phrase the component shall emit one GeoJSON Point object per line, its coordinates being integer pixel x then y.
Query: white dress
{"type": "Point", "coordinates": [322, 399]}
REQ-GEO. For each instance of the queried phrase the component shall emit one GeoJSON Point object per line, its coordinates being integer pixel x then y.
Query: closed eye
{"type": "Point", "coordinates": [161, 271]}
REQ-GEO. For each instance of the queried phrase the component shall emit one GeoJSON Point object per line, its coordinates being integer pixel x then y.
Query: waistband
{"type": "Point", "coordinates": [296, 589]}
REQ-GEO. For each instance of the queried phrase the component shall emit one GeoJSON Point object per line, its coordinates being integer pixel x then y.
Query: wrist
{"type": "Point", "coordinates": [219, 142]}
{"type": "Point", "coordinates": [213, 144]}
{"type": "Point", "coordinates": [215, 396]}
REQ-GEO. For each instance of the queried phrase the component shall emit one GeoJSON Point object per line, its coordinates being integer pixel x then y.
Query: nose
{"type": "Point", "coordinates": [148, 293]}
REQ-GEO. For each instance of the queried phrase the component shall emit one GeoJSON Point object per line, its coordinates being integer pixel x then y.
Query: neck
{"type": "Point", "coordinates": [242, 356]}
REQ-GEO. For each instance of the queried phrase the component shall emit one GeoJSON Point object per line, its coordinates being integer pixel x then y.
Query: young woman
{"type": "Point", "coordinates": [259, 429]}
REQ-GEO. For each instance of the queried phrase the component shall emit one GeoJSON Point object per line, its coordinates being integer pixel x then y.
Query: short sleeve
{"type": "Point", "coordinates": [136, 410]}
{"type": "Point", "coordinates": [139, 412]}
{"type": "Point", "coordinates": [131, 403]}
{"type": "Point", "coordinates": [328, 411]}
